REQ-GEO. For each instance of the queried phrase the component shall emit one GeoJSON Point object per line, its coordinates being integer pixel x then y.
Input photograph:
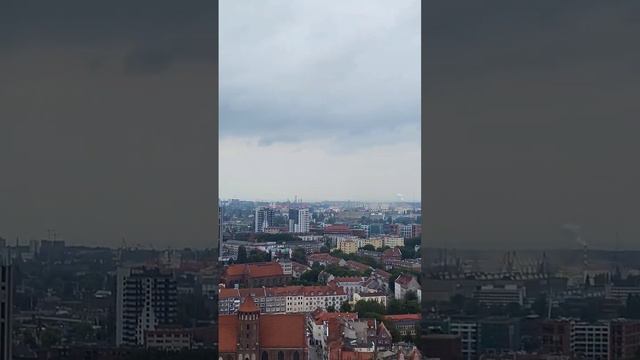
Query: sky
{"type": "Point", "coordinates": [107, 121]}
{"type": "Point", "coordinates": [531, 122]}
{"type": "Point", "coordinates": [320, 102]}
{"type": "Point", "coordinates": [107, 116]}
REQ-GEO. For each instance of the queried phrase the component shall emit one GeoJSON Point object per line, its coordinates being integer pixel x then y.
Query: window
{"type": "Point", "coordinates": [265, 356]}
{"type": "Point", "coordinates": [280, 355]}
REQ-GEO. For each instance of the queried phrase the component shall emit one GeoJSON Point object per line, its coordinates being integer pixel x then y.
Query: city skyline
{"type": "Point", "coordinates": [320, 101]}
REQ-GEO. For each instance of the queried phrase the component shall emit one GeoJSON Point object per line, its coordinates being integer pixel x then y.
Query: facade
{"type": "Point", "coordinates": [263, 219]}
{"type": "Point", "coordinates": [145, 300]}
{"type": "Point", "coordinates": [406, 324]}
{"type": "Point", "coordinates": [393, 241]}
{"type": "Point", "coordinates": [500, 295]}
{"type": "Point", "coordinates": [590, 340]}
{"type": "Point", "coordinates": [404, 284]}
{"type": "Point", "coordinates": [168, 339]}
{"type": "Point", "coordinates": [255, 336]}
{"type": "Point", "coordinates": [624, 339]}
{"type": "Point", "coordinates": [498, 334]}
{"type": "Point", "coordinates": [380, 298]}
{"type": "Point", "coordinates": [255, 275]}
{"type": "Point", "coordinates": [299, 220]}
{"type": "Point", "coordinates": [348, 246]}
{"type": "Point", "coordinates": [351, 285]}
{"type": "Point", "coordinates": [621, 292]}
{"type": "Point", "coordinates": [556, 336]}
{"type": "Point", "coordinates": [287, 299]}
{"type": "Point", "coordinates": [6, 306]}
{"type": "Point", "coordinates": [467, 330]}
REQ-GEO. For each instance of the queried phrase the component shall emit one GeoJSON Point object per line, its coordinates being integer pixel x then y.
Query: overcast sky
{"type": "Point", "coordinates": [320, 99]}
{"type": "Point", "coordinates": [531, 121]}
{"type": "Point", "coordinates": [107, 121]}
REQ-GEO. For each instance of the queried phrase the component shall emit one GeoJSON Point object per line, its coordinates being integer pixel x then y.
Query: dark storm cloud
{"type": "Point", "coordinates": [108, 121]}
{"type": "Point", "coordinates": [530, 121]}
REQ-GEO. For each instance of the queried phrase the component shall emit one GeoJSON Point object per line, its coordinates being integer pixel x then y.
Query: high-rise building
{"type": "Point", "coordinates": [146, 300]}
{"type": "Point", "coordinates": [6, 305]}
{"type": "Point", "coordinates": [299, 220]}
{"type": "Point", "coordinates": [263, 218]}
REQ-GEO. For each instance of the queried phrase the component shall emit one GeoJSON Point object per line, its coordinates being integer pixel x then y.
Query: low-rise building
{"type": "Point", "coordinates": [168, 339]}
{"type": "Point", "coordinates": [500, 295]}
{"type": "Point", "coordinates": [255, 275]}
{"type": "Point", "coordinates": [287, 299]}
{"type": "Point", "coordinates": [406, 283]}
{"type": "Point", "coordinates": [377, 297]}
{"type": "Point", "coordinates": [406, 324]}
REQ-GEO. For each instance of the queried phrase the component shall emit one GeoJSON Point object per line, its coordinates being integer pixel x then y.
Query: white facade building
{"type": "Point", "coordinates": [590, 340]}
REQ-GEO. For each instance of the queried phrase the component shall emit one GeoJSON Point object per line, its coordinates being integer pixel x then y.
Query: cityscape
{"type": "Point", "coordinates": [241, 180]}
{"type": "Point", "coordinates": [342, 277]}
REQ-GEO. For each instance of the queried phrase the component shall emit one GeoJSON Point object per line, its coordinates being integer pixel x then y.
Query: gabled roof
{"type": "Point", "coordinates": [248, 306]}
{"type": "Point", "coordinates": [404, 280]}
{"type": "Point", "coordinates": [276, 331]}
{"type": "Point", "coordinates": [400, 317]}
{"type": "Point", "coordinates": [265, 269]}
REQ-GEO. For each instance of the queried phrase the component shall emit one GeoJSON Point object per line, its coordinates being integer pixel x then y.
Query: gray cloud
{"type": "Point", "coordinates": [347, 71]}
{"type": "Point", "coordinates": [108, 121]}
{"type": "Point", "coordinates": [530, 121]}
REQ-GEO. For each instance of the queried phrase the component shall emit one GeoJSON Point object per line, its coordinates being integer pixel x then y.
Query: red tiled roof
{"type": "Point", "coordinates": [271, 331]}
{"type": "Point", "coordinates": [337, 229]}
{"type": "Point", "coordinates": [322, 257]}
{"type": "Point", "coordinates": [404, 279]}
{"type": "Point", "coordinates": [248, 305]}
{"type": "Point", "coordinates": [348, 279]}
{"type": "Point", "coordinates": [321, 316]}
{"type": "Point", "coordinates": [382, 273]}
{"type": "Point", "coordinates": [282, 331]}
{"type": "Point", "coordinates": [395, 252]}
{"type": "Point", "coordinates": [399, 317]}
{"type": "Point", "coordinates": [255, 270]}
{"type": "Point", "coordinates": [357, 265]}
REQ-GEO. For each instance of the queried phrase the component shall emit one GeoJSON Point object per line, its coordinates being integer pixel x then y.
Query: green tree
{"type": "Point", "coordinates": [368, 307]}
{"type": "Point", "coordinates": [299, 255]}
{"type": "Point", "coordinates": [310, 277]}
{"type": "Point", "coordinates": [369, 247]}
{"type": "Point", "coordinates": [346, 307]}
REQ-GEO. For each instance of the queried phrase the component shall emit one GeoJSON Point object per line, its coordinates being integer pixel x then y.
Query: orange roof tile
{"type": "Point", "coordinates": [282, 331]}
{"type": "Point", "coordinates": [399, 317]}
{"type": "Point", "coordinates": [255, 270]}
{"type": "Point", "coordinates": [271, 331]}
{"type": "Point", "coordinates": [248, 305]}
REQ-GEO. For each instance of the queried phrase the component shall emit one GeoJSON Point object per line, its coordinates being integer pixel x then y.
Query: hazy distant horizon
{"type": "Point", "coordinates": [303, 201]}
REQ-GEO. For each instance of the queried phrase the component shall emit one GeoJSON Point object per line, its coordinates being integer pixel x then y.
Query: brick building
{"type": "Point", "coordinates": [255, 275]}
{"type": "Point", "coordinates": [250, 335]}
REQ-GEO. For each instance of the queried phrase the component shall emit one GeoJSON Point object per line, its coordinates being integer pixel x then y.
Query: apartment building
{"type": "Point", "coordinates": [145, 300]}
{"type": "Point", "coordinates": [590, 340]}
{"type": "Point", "coordinates": [288, 299]}
{"type": "Point", "coordinates": [500, 295]}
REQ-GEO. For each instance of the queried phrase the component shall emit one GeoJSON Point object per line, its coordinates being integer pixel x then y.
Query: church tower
{"type": "Point", "coordinates": [249, 332]}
